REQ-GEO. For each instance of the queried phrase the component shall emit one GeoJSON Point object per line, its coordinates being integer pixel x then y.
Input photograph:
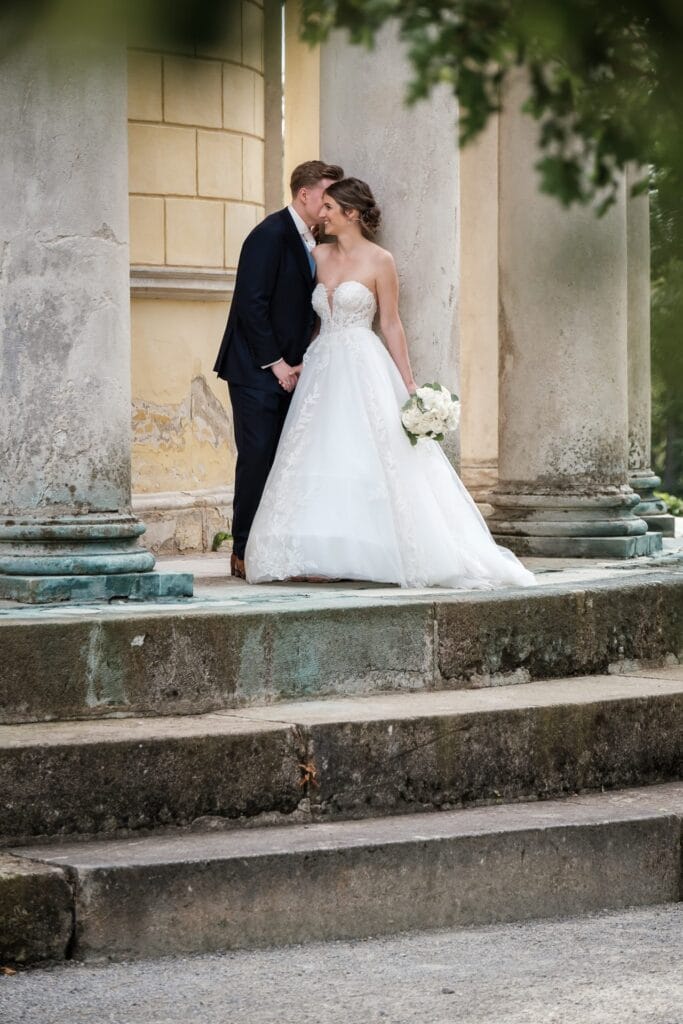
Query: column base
{"type": "Point", "coordinates": [93, 543]}
{"type": "Point", "coordinates": [480, 479]}
{"type": "Point", "coordinates": [143, 586]}
{"type": "Point", "coordinates": [665, 524]}
{"type": "Point", "coordinates": [572, 525]}
{"type": "Point", "coordinates": [582, 547]}
{"type": "Point", "coordinates": [650, 508]}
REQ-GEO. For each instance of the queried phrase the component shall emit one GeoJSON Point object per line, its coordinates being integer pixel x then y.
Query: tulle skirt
{"type": "Point", "coordinates": [349, 497]}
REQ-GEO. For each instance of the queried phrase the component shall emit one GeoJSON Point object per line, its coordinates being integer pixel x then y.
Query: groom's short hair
{"type": "Point", "coordinates": [308, 174]}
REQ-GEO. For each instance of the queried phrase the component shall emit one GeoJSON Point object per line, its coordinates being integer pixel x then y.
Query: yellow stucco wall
{"type": "Point", "coordinates": [301, 94]}
{"type": "Point", "coordinates": [182, 429]}
{"type": "Point", "coordinates": [196, 182]}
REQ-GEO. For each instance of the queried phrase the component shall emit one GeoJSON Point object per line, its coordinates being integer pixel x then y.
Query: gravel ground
{"type": "Point", "coordinates": [611, 968]}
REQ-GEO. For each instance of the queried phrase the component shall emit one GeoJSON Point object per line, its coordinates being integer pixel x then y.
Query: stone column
{"type": "Point", "coordinates": [642, 478]}
{"type": "Point", "coordinates": [563, 442]}
{"type": "Point", "coordinates": [409, 157]}
{"type": "Point", "coordinates": [66, 526]}
{"type": "Point", "coordinates": [479, 313]}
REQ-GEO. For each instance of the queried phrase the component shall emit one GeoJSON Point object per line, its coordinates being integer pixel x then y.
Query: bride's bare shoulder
{"type": "Point", "coordinates": [382, 257]}
{"type": "Point", "coordinates": [382, 260]}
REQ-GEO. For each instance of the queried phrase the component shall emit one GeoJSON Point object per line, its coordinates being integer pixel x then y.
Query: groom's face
{"type": "Point", "coordinates": [312, 200]}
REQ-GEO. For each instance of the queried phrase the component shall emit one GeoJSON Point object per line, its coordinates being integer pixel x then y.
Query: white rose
{"type": "Point", "coordinates": [433, 423]}
{"type": "Point", "coordinates": [411, 419]}
{"type": "Point", "coordinates": [454, 416]}
{"type": "Point", "coordinates": [427, 396]}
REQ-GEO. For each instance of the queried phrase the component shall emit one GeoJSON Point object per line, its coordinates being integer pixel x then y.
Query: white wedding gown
{"type": "Point", "coordinates": [348, 496]}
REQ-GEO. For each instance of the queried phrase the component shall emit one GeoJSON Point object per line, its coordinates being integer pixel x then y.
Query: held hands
{"type": "Point", "coordinates": [287, 375]}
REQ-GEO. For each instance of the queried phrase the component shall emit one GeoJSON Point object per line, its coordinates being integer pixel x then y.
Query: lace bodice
{"type": "Point", "coordinates": [350, 304]}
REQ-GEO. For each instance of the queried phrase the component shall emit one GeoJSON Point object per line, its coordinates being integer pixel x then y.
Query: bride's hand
{"type": "Point", "coordinates": [412, 387]}
{"type": "Point", "coordinates": [286, 375]}
{"type": "Point", "coordinates": [293, 379]}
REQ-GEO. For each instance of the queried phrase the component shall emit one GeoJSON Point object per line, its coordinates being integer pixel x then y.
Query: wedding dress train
{"type": "Point", "coordinates": [348, 496]}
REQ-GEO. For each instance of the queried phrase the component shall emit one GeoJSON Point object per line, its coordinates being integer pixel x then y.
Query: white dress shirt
{"type": "Point", "coordinates": [309, 241]}
{"type": "Point", "coordinates": [303, 229]}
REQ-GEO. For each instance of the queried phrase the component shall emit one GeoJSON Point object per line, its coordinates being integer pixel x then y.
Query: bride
{"type": "Point", "coordinates": [348, 496]}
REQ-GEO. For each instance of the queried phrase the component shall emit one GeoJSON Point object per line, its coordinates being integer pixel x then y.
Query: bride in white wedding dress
{"type": "Point", "coordinates": [348, 496]}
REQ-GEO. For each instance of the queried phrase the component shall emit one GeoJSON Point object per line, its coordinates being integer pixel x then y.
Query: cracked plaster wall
{"type": "Point", "coordinates": [182, 426]}
{"type": "Point", "coordinates": [64, 324]}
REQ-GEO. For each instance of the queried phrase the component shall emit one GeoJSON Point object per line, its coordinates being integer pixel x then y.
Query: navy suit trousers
{"type": "Point", "coordinates": [258, 417]}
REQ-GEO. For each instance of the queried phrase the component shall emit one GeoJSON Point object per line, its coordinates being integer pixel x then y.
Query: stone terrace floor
{"type": "Point", "coordinates": [215, 588]}
{"type": "Point", "coordinates": [211, 581]}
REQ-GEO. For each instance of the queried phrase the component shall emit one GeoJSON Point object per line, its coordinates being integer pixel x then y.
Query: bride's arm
{"type": "Point", "coordinates": [390, 322]}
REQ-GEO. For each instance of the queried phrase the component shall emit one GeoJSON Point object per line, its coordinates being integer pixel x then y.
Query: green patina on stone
{"type": "Point", "coordinates": [134, 586]}
{"type": "Point", "coordinates": [582, 547]}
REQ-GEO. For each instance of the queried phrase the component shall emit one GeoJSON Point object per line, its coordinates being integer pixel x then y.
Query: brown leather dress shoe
{"type": "Point", "coordinates": [237, 567]}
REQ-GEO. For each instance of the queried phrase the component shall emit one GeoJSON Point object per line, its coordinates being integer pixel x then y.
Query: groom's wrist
{"type": "Point", "coordinates": [269, 366]}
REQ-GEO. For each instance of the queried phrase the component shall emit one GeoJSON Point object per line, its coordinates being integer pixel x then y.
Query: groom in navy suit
{"type": "Point", "coordinates": [269, 328]}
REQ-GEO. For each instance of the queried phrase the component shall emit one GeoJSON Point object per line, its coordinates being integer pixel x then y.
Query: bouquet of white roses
{"type": "Point", "coordinates": [430, 412]}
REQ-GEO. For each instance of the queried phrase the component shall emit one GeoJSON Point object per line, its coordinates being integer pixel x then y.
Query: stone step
{"type": "Point", "coordinates": [281, 643]}
{"type": "Point", "coordinates": [351, 879]}
{"type": "Point", "coordinates": [36, 911]}
{"type": "Point", "coordinates": [366, 756]}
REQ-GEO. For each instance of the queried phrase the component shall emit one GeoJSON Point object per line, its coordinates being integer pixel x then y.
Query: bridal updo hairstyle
{"type": "Point", "coordinates": [354, 194]}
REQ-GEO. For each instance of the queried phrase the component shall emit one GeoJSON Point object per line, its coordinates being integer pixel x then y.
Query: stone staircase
{"type": "Point", "coordinates": [133, 828]}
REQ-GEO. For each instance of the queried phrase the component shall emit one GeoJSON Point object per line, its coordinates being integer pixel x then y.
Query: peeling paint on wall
{"type": "Point", "coordinates": [200, 414]}
{"type": "Point", "coordinates": [184, 446]}
{"type": "Point", "coordinates": [210, 420]}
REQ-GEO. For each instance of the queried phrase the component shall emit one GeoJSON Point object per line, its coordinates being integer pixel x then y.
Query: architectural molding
{"type": "Point", "coordinates": [187, 283]}
{"type": "Point", "coordinates": [170, 501]}
{"type": "Point", "coordinates": [480, 477]}
{"type": "Point", "coordinates": [182, 522]}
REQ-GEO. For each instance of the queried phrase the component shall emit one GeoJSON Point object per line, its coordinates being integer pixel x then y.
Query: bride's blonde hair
{"type": "Point", "coordinates": [354, 194]}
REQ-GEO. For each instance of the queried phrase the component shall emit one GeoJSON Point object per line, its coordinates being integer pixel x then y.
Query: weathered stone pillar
{"type": "Point", "coordinates": [563, 441]}
{"type": "Point", "coordinates": [409, 157]}
{"type": "Point", "coordinates": [479, 313]}
{"type": "Point", "coordinates": [66, 526]}
{"type": "Point", "coordinates": [642, 477]}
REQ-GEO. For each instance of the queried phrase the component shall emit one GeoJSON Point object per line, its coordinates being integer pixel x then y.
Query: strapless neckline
{"type": "Point", "coordinates": [331, 292]}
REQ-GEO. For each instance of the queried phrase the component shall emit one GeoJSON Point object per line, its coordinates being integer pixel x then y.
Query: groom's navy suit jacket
{"type": "Point", "coordinates": [271, 315]}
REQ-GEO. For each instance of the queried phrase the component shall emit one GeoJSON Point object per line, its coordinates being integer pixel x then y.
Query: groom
{"type": "Point", "coordinates": [268, 330]}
